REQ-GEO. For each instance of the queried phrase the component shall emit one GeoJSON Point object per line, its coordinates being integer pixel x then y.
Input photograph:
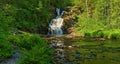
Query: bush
{"type": "Point", "coordinates": [98, 33]}
{"type": "Point", "coordinates": [26, 40]}
{"type": "Point", "coordinates": [40, 54]}
{"type": "Point", "coordinates": [87, 34]}
{"type": "Point", "coordinates": [34, 49]}
{"type": "Point", "coordinates": [107, 34]}
{"type": "Point", "coordinates": [6, 49]}
{"type": "Point", "coordinates": [115, 36]}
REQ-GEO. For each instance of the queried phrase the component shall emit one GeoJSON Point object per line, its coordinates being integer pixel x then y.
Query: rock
{"type": "Point", "coordinates": [70, 47]}
{"type": "Point", "coordinates": [101, 39]}
{"type": "Point", "coordinates": [75, 46]}
{"type": "Point", "coordinates": [60, 53]}
{"type": "Point", "coordinates": [59, 44]}
{"type": "Point", "coordinates": [100, 51]}
{"type": "Point", "coordinates": [78, 57]}
{"type": "Point", "coordinates": [93, 54]}
{"type": "Point", "coordinates": [77, 52]}
{"type": "Point", "coordinates": [56, 44]}
{"type": "Point", "coordinates": [67, 61]}
{"type": "Point", "coordinates": [103, 56]}
{"type": "Point", "coordinates": [60, 50]}
{"type": "Point", "coordinates": [17, 54]}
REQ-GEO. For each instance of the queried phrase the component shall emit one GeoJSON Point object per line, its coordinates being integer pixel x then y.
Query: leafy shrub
{"type": "Point", "coordinates": [40, 54]}
{"type": "Point", "coordinates": [6, 49]}
{"type": "Point", "coordinates": [106, 34]}
{"type": "Point", "coordinates": [114, 36]}
{"type": "Point", "coordinates": [87, 34]}
{"type": "Point", "coordinates": [98, 33]}
{"type": "Point", "coordinates": [34, 49]}
{"type": "Point", "coordinates": [26, 40]}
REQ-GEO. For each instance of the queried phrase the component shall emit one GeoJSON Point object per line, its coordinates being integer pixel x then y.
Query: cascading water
{"type": "Point", "coordinates": [55, 25]}
{"type": "Point", "coordinates": [55, 29]}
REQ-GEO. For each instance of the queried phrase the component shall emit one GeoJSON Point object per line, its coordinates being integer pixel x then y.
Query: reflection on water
{"type": "Point", "coordinates": [92, 52]}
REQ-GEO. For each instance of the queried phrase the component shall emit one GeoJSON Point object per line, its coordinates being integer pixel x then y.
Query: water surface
{"type": "Point", "coordinates": [86, 51]}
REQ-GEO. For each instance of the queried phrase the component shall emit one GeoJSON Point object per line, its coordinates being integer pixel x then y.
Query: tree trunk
{"type": "Point", "coordinates": [87, 8]}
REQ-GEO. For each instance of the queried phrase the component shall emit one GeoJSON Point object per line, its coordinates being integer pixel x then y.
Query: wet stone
{"type": "Point", "coordinates": [93, 54]}
{"type": "Point", "coordinates": [67, 61]}
{"type": "Point", "coordinates": [78, 57]}
{"type": "Point", "coordinates": [100, 51]}
{"type": "Point", "coordinates": [77, 52]}
{"type": "Point", "coordinates": [17, 54]}
{"type": "Point", "coordinates": [103, 56]}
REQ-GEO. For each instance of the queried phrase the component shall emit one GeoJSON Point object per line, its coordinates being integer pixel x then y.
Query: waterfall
{"type": "Point", "coordinates": [55, 25]}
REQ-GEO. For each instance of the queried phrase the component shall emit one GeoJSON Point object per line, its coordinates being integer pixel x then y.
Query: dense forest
{"type": "Point", "coordinates": [23, 23]}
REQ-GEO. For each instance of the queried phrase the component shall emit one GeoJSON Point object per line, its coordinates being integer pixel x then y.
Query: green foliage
{"type": "Point", "coordinates": [39, 54]}
{"type": "Point", "coordinates": [97, 15]}
{"type": "Point", "coordinates": [33, 48]}
{"type": "Point", "coordinates": [6, 48]}
{"type": "Point", "coordinates": [115, 35]}
{"type": "Point", "coordinates": [36, 50]}
{"type": "Point", "coordinates": [98, 33]}
{"type": "Point", "coordinates": [26, 40]}
{"type": "Point", "coordinates": [6, 21]}
{"type": "Point", "coordinates": [28, 15]}
{"type": "Point", "coordinates": [87, 34]}
{"type": "Point", "coordinates": [106, 34]}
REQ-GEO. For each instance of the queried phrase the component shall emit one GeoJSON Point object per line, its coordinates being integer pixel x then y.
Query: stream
{"type": "Point", "coordinates": [80, 51]}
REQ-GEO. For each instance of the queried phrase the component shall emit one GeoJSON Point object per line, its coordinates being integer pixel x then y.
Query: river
{"type": "Point", "coordinates": [88, 51]}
